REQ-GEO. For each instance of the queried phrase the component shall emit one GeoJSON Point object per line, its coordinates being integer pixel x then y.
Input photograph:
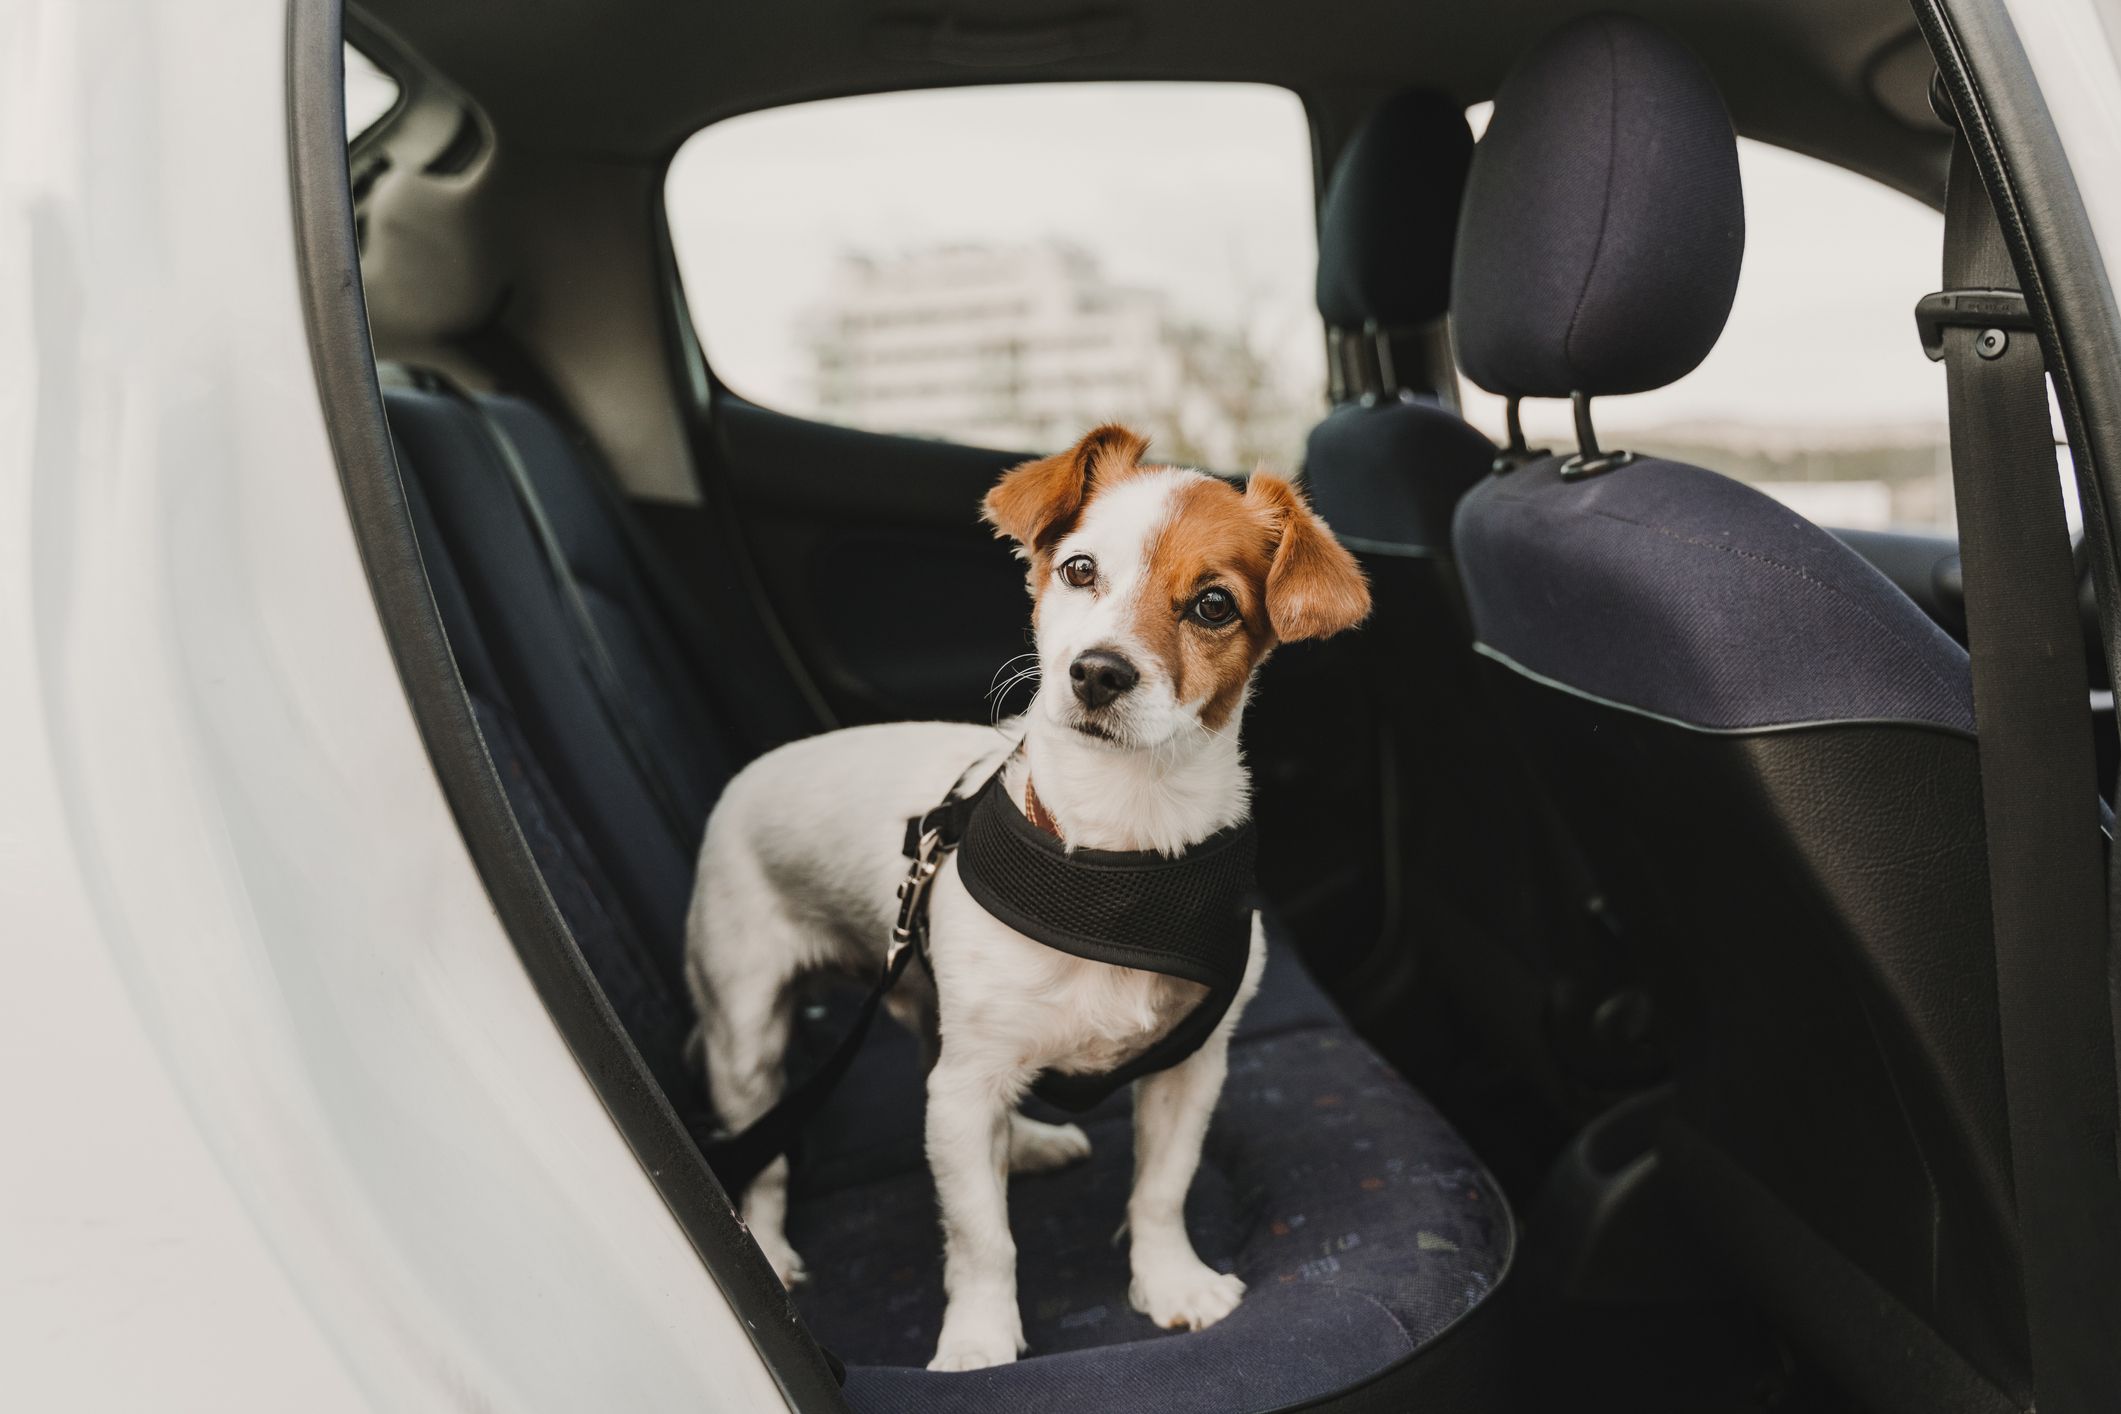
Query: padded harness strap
{"type": "Point", "coordinates": [2046, 876]}
{"type": "Point", "coordinates": [1186, 917]}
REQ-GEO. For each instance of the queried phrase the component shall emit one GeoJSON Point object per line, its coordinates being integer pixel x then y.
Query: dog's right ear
{"type": "Point", "coordinates": [1036, 503]}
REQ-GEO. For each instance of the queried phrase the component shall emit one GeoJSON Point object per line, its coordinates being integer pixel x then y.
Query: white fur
{"type": "Point", "coordinates": [798, 873]}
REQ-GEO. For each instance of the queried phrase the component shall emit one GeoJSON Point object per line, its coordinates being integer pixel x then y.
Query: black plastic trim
{"type": "Point", "coordinates": [695, 382]}
{"type": "Point", "coordinates": [352, 406]}
{"type": "Point", "coordinates": [2028, 176]}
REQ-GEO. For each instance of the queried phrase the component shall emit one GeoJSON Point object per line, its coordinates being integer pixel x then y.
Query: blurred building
{"type": "Point", "coordinates": [1027, 346]}
{"type": "Point", "coordinates": [1013, 346]}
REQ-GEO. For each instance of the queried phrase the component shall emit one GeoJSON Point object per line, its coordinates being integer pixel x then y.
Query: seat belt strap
{"type": "Point", "coordinates": [2038, 785]}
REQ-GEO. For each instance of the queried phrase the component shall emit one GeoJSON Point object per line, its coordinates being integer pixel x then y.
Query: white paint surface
{"type": "Point", "coordinates": [285, 1125]}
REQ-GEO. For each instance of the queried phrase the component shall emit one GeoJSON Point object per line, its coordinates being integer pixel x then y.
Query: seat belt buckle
{"type": "Point", "coordinates": [1991, 311]}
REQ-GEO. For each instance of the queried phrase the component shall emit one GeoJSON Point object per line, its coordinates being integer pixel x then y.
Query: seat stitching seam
{"type": "Point", "coordinates": [1771, 562]}
{"type": "Point", "coordinates": [1605, 210]}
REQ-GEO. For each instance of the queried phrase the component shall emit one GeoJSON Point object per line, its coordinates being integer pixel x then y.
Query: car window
{"type": "Point", "coordinates": [370, 93]}
{"type": "Point", "coordinates": [1818, 392]}
{"type": "Point", "coordinates": [1007, 266]}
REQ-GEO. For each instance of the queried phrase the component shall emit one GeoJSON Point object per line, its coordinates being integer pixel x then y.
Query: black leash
{"type": "Point", "coordinates": [1188, 917]}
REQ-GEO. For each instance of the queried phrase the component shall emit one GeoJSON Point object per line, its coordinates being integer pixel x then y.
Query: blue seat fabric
{"type": "Point", "coordinates": [1362, 1223]}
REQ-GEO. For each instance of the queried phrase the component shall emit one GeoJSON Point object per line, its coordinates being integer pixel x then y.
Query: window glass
{"type": "Point", "coordinates": [370, 93]}
{"type": "Point", "coordinates": [1818, 392]}
{"type": "Point", "coordinates": [1008, 266]}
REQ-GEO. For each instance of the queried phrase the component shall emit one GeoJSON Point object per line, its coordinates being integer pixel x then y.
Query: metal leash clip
{"type": "Point", "coordinates": [913, 890]}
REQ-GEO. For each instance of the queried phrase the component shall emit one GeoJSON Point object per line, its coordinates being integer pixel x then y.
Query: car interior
{"type": "Point", "coordinates": [1629, 1036]}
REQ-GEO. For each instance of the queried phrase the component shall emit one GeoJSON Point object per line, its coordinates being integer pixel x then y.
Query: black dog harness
{"type": "Point", "coordinates": [1188, 917]}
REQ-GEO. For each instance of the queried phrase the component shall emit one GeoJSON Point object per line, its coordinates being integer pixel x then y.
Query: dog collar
{"type": "Point", "coordinates": [1036, 812]}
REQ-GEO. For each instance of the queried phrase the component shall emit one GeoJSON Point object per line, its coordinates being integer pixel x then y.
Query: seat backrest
{"type": "Point", "coordinates": [619, 866]}
{"type": "Point", "coordinates": [1448, 867]}
{"type": "Point", "coordinates": [1767, 748]}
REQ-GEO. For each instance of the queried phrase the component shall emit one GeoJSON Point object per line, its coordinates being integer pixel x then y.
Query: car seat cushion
{"type": "Point", "coordinates": [1361, 1224]}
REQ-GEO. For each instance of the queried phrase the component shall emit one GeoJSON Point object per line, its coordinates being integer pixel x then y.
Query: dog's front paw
{"type": "Point", "coordinates": [976, 1339]}
{"type": "Point", "coordinates": [786, 1264]}
{"type": "Point", "coordinates": [1183, 1293]}
{"type": "Point", "coordinates": [1037, 1147]}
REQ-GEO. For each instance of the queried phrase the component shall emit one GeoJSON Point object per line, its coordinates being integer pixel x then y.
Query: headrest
{"type": "Point", "coordinates": [1391, 213]}
{"type": "Point", "coordinates": [1603, 224]}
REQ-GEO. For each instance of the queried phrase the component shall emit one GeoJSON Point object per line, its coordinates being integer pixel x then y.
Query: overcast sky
{"type": "Point", "coordinates": [1206, 191]}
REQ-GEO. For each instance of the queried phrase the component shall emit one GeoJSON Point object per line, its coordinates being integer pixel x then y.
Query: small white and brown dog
{"type": "Point", "coordinates": [1156, 592]}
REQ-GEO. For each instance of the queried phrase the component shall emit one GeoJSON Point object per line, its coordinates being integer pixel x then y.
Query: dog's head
{"type": "Point", "coordinates": [1157, 591]}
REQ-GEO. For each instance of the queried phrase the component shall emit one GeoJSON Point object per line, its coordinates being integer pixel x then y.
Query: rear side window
{"type": "Point", "coordinates": [370, 93]}
{"type": "Point", "coordinates": [1818, 392]}
{"type": "Point", "coordinates": [1008, 266]}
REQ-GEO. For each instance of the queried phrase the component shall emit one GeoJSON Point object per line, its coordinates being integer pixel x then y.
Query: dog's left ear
{"type": "Point", "coordinates": [1314, 587]}
{"type": "Point", "coordinates": [1036, 503]}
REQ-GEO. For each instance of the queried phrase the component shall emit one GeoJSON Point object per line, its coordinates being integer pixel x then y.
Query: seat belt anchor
{"type": "Point", "coordinates": [1990, 311]}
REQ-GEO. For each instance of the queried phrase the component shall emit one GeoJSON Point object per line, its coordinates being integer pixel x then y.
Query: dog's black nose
{"type": "Point", "coordinates": [1101, 675]}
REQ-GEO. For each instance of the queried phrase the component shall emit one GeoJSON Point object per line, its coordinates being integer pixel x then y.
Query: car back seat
{"type": "Point", "coordinates": [1362, 1224]}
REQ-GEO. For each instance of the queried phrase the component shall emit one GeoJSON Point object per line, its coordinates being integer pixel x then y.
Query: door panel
{"type": "Point", "coordinates": [895, 596]}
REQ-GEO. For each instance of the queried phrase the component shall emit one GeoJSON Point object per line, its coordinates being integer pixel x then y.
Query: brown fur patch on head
{"type": "Point", "coordinates": [1264, 546]}
{"type": "Point", "coordinates": [1212, 540]}
{"type": "Point", "coordinates": [1039, 502]}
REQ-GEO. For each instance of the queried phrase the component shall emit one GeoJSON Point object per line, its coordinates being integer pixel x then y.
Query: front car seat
{"type": "Point", "coordinates": [1767, 748]}
{"type": "Point", "coordinates": [1466, 899]}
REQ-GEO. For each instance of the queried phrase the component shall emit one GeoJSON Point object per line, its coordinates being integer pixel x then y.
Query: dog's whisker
{"type": "Point", "coordinates": [1030, 674]}
{"type": "Point", "coordinates": [999, 695]}
{"type": "Point", "coordinates": [1007, 666]}
{"type": "Point", "coordinates": [1001, 690]}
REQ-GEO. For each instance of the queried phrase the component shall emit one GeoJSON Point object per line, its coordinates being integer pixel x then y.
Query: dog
{"type": "Point", "coordinates": [1156, 593]}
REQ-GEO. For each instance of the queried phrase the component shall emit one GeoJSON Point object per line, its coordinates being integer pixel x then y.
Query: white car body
{"type": "Point", "coordinates": [285, 1124]}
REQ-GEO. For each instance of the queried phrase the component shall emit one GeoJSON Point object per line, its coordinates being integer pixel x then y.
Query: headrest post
{"type": "Point", "coordinates": [1586, 435]}
{"type": "Point", "coordinates": [1381, 350]}
{"type": "Point", "coordinates": [1589, 460]}
{"type": "Point", "coordinates": [1516, 454]}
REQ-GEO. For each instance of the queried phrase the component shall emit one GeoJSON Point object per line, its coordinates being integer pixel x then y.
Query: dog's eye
{"type": "Point", "coordinates": [1080, 571]}
{"type": "Point", "coordinates": [1215, 608]}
